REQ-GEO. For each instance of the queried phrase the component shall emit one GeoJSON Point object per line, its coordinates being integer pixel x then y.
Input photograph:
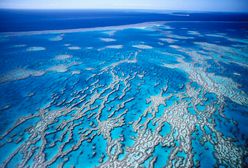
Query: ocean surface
{"type": "Point", "coordinates": [39, 20]}
{"type": "Point", "coordinates": [123, 89]}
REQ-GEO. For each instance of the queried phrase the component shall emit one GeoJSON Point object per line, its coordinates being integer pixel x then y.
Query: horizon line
{"type": "Point", "coordinates": [130, 9]}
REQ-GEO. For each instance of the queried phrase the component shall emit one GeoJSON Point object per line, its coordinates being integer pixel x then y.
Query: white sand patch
{"type": "Point", "coordinates": [196, 33]}
{"type": "Point", "coordinates": [237, 74]}
{"type": "Point", "coordinates": [58, 68]}
{"type": "Point", "coordinates": [244, 40]}
{"type": "Point", "coordinates": [179, 37]}
{"type": "Point", "coordinates": [167, 27]}
{"type": "Point", "coordinates": [30, 94]}
{"type": "Point", "coordinates": [107, 39]}
{"type": "Point", "coordinates": [23, 73]}
{"type": "Point", "coordinates": [35, 49]}
{"type": "Point", "coordinates": [19, 74]}
{"type": "Point", "coordinates": [57, 38]}
{"type": "Point", "coordinates": [19, 45]}
{"type": "Point", "coordinates": [142, 46]}
{"type": "Point", "coordinates": [75, 72]}
{"type": "Point", "coordinates": [174, 46]}
{"type": "Point", "coordinates": [115, 46]}
{"type": "Point", "coordinates": [141, 76]}
{"type": "Point", "coordinates": [132, 61]}
{"type": "Point", "coordinates": [141, 27]}
{"type": "Point", "coordinates": [63, 57]}
{"type": "Point", "coordinates": [108, 28]}
{"type": "Point", "coordinates": [111, 47]}
{"type": "Point", "coordinates": [89, 48]}
{"type": "Point", "coordinates": [62, 67]}
{"type": "Point", "coordinates": [218, 35]}
{"type": "Point", "coordinates": [89, 69]}
{"type": "Point", "coordinates": [168, 40]}
{"type": "Point", "coordinates": [74, 48]}
{"type": "Point", "coordinates": [110, 33]}
{"type": "Point", "coordinates": [5, 107]}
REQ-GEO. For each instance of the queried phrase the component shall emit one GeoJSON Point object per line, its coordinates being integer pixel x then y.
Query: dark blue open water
{"type": "Point", "coordinates": [31, 20]}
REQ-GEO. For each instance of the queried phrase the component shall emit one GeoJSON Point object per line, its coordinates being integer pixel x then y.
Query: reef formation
{"type": "Point", "coordinates": [158, 95]}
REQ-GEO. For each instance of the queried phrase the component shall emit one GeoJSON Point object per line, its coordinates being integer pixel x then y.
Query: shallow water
{"type": "Point", "coordinates": [171, 94]}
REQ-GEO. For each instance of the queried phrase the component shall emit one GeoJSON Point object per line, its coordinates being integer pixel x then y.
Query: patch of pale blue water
{"type": "Point", "coordinates": [203, 153]}
{"type": "Point", "coordinates": [162, 154]}
{"type": "Point", "coordinates": [116, 133]}
{"type": "Point", "coordinates": [166, 129]}
{"type": "Point", "coordinates": [238, 125]}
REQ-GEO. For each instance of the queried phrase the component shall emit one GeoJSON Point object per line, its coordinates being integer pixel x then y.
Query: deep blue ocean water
{"type": "Point", "coordinates": [31, 20]}
{"type": "Point", "coordinates": [158, 94]}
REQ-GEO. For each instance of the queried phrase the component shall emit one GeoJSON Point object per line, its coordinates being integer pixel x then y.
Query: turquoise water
{"type": "Point", "coordinates": [156, 94]}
